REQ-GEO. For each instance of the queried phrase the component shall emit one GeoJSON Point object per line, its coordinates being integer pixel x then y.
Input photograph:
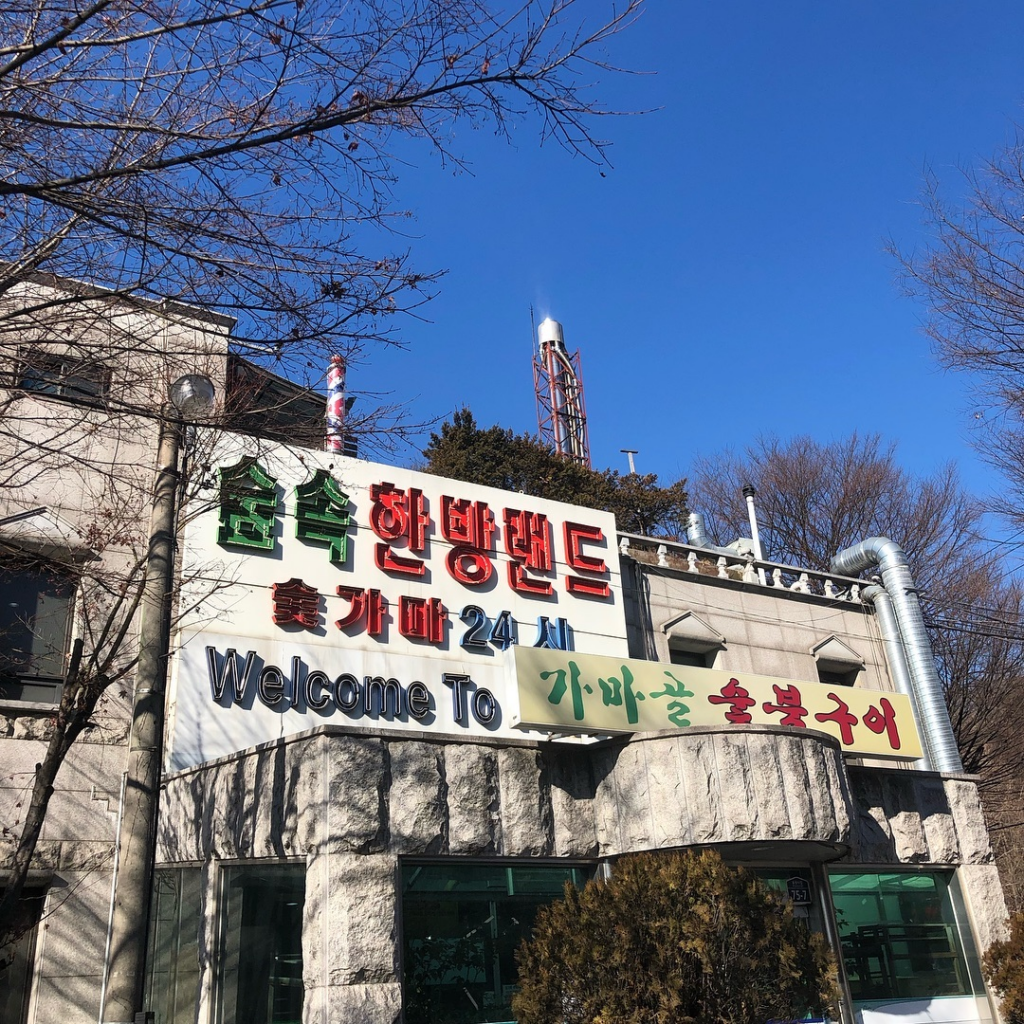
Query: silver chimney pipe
{"type": "Point", "coordinates": [892, 642]}
{"type": "Point", "coordinates": [749, 493]}
{"type": "Point", "coordinates": [695, 530]}
{"type": "Point", "coordinates": [939, 740]}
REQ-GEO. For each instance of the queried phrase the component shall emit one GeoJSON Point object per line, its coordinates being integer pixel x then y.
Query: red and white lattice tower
{"type": "Point", "coordinates": [558, 382]}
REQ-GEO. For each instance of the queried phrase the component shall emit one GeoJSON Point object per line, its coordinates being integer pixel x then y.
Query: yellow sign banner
{"type": "Point", "coordinates": [561, 691]}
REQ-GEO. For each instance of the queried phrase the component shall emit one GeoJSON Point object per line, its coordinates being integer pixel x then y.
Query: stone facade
{"type": "Point", "coordinates": [351, 805]}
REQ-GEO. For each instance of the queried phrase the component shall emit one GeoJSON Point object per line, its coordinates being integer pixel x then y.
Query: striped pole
{"type": "Point", "coordinates": [335, 441]}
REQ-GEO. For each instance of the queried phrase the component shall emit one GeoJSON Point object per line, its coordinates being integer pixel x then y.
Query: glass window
{"type": "Point", "coordinates": [35, 610]}
{"type": "Point", "coordinates": [172, 963]}
{"type": "Point", "coordinates": [698, 659]}
{"type": "Point", "coordinates": [900, 937]}
{"type": "Point", "coordinates": [462, 925]}
{"type": "Point", "coordinates": [16, 976]}
{"type": "Point", "coordinates": [49, 374]}
{"type": "Point", "coordinates": [259, 970]}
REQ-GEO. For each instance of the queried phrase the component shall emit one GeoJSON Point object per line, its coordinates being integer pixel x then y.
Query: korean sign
{"type": "Point", "coordinates": [325, 588]}
{"type": "Point", "coordinates": [567, 692]}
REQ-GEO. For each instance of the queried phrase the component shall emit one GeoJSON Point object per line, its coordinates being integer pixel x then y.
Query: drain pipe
{"type": "Point", "coordinates": [894, 652]}
{"type": "Point", "coordinates": [927, 687]}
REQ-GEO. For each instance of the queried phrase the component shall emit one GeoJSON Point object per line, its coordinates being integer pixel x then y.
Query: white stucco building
{"type": "Point", "coordinates": [405, 710]}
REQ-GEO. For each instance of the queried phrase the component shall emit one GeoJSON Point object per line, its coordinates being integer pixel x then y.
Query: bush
{"type": "Point", "coordinates": [1004, 968]}
{"type": "Point", "coordinates": [671, 939]}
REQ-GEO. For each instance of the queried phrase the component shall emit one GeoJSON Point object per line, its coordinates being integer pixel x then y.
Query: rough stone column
{"type": "Point", "coordinates": [350, 928]}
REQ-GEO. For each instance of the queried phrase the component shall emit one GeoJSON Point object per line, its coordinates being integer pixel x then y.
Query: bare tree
{"type": "Point", "coordinates": [239, 156]}
{"type": "Point", "coordinates": [971, 279]}
{"type": "Point", "coordinates": [814, 499]}
{"type": "Point", "coordinates": [220, 176]}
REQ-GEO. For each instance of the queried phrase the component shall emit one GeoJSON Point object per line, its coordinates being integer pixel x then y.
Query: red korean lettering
{"type": "Point", "coordinates": [295, 602]}
{"type": "Point", "coordinates": [469, 525]}
{"type": "Point", "coordinates": [789, 706]}
{"type": "Point", "coordinates": [368, 603]}
{"type": "Point", "coordinates": [842, 718]}
{"type": "Point", "coordinates": [399, 515]}
{"type": "Point", "coordinates": [576, 535]}
{"type": "Point", "coordinates": [422, 618]}
{"type": "Point", "coordinates": [528, 543]}
{"type": "Point", "coordinates": [738, 698]}
{"type": "Point", "coordinates": [883, 719]}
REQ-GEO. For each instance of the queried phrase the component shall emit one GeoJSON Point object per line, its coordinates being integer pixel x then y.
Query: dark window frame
{"type": "Point", "coordinates": [235, 919]}
{"type": "Point", "coordinates": [17, 981]}
{"type": "Point", "coordinates": [679, 655]}
{"type": "Point", "coordinates": [62, 375]}
{"type": "Point", "coordinates": [57, 582]}
{"type": "Point", "coordinates": [590, 868]}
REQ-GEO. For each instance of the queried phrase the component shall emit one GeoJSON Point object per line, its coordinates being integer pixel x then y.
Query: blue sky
{"type": "Point", "coordinates": [727, 276]}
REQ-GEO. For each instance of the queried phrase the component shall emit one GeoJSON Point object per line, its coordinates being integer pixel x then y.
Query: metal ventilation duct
{"type": "Point", "coordinates": [927, 687]}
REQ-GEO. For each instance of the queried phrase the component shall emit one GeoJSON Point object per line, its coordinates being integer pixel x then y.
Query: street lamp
{"type": "Point", "coordinates": [191, 397]}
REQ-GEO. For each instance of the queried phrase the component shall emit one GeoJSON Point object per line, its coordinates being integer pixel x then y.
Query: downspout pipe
{"type": "Point", "coordinates": [927, 687]}
{"type": "Point", "coordinates": [895, 657]}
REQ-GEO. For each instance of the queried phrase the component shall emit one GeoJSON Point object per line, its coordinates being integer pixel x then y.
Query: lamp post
{"type": "Point", "coordinates": [191, 397]}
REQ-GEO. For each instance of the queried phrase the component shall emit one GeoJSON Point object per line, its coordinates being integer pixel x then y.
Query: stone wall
{"type": "Point", "coordinates": [351, 805]}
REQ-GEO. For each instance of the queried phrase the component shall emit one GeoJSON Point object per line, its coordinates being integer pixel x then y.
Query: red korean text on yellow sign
{"type": "Point", "coordinates": [563, 691]}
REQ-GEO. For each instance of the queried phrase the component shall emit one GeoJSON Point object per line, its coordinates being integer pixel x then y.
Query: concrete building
{"type": "Point", "coordinates": [405, 710]}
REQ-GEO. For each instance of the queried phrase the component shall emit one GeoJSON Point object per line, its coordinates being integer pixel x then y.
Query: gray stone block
{"type": "Point", "coordinates": [970, 821]}
{"type": "Point", "coordinates": [664, 811]}
{"type": "Point", "coordinates": [356, 810]}
{"type": "Point", "coordinates": [703, 788]}
{"type": "Point", "coordinates": [32, 727]}
{"type": "Point", "coordinates": [794, 768]}
{"type": "Point", "coordinates": [474, 822]}
{"type": "Point", "coordinates": [871, 836]}
{"type": "Point", "coordinates": [572, 804]}
{"type": "Point", "coordinates": [353, 1004]}
{"type": "Point", "coordinates": [740, 810]}
{"type": "Point", "coordinates": [937, 821]}
{"type": "Point", "coordinates": [358, 919]}
{"type": "Point", "coordinates": [909, 841]}
{"type": "Point", "coordinates": [417, 798]}
{"type": "Point", "coordinates": [984, 896]}
{"type": "Point", "coordinates": [769, 787]}
{"type": "Point", "coordinates": [525, 804]}
{"type": "Point", "coordinates": [633, 798]}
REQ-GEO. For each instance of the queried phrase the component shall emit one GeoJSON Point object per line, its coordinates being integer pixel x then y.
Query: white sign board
{"type": "Point", "coordinates": [324, 589]}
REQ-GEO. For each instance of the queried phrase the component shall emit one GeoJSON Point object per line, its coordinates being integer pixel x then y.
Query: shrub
{"type": "Point", "coordinates": [1004, 968]}
{"type": "Point", "coordinates": [671, 939]}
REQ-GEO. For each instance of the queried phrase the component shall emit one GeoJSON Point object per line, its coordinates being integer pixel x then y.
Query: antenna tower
{"type": "Point", "coordinates": [558, 383]}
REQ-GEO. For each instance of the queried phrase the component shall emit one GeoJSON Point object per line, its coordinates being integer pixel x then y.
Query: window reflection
{"type": "Point", "coordinates": [899, 935]}
{"type": "Point", "coordinates": [462, 925]}
{"type": "Point", "coordinates": [259, 971]}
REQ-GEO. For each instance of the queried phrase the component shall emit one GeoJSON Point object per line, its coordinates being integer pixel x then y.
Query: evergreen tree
{"type": "Point", "coordinates": [673, 938]}
{"type": "Point", "coordinates": [496, 457]}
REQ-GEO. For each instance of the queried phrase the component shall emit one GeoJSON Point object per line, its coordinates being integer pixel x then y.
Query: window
{"type": "Point", "coordinates": [837, 664]}
{"type": "Point", "coordinates": [172, 961]}
{"type": "Point", "coordinates": [692, 641]}
{"type": "Point", "coordinates": [835, 678]}
{"type": "Point", "coordinates": [16, 977]}
{"type": "Point", "coordinates": [35, 614]}
{"type": "Point", "coordinates": [259, 969]}
{"type": "Point", "coordinates": [699, 659]}
{"type": "Point", "coordinates": [462, 924]}
{"type": "Point", "coordinates": [900, 936]}
{"type": "Point", "coordinates": [46, 373]}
